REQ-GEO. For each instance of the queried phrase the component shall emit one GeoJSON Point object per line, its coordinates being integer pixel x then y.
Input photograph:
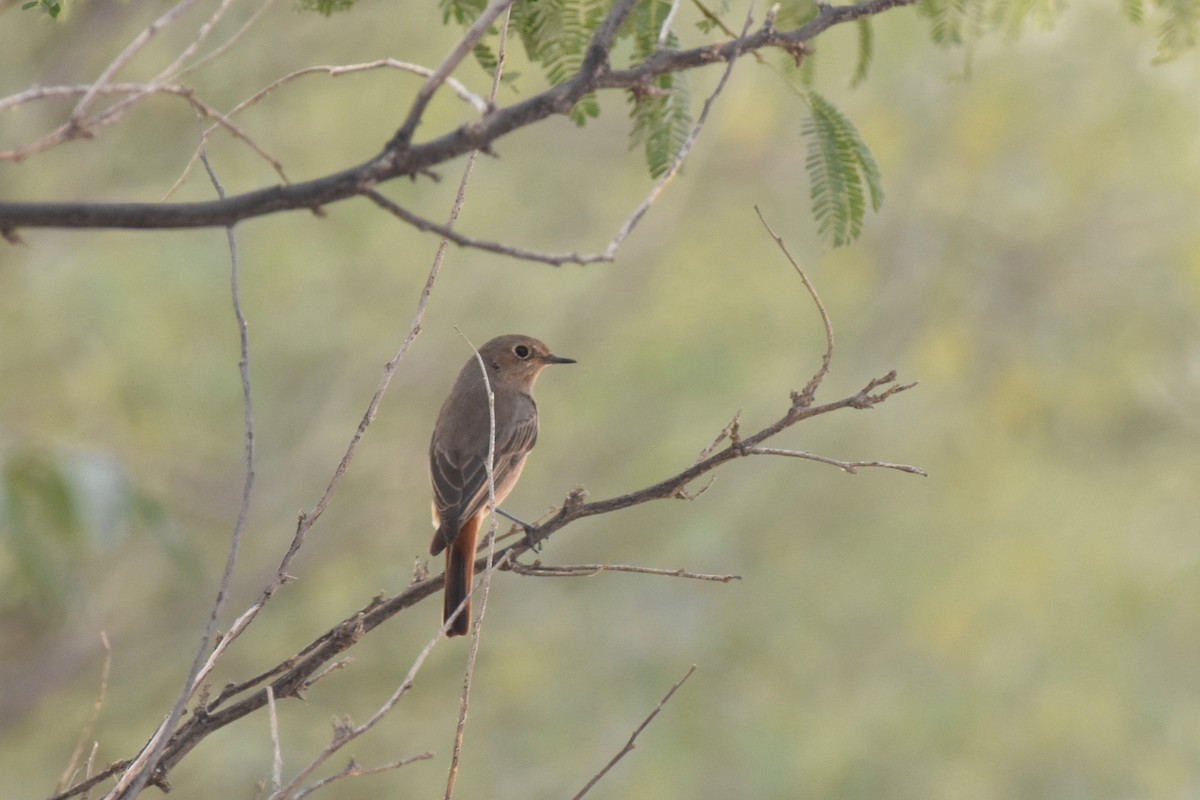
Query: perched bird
{"type": "Point", "coordinates": [458, 454]}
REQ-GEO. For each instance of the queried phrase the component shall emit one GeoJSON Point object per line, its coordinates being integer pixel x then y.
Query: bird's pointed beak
{"type": "Point", "coordinates": [553, 359]}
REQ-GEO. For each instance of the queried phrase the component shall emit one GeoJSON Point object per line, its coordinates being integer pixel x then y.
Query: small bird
{"type": "Point", "coordinates": [458, 454]}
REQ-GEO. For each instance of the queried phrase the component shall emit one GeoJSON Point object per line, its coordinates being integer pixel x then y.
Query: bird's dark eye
{"type": "Point", "coordinates": [522, 351]}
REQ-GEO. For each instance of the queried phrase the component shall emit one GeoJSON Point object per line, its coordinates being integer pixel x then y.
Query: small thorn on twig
{"type": "Point", "coordinates": [730, 432]}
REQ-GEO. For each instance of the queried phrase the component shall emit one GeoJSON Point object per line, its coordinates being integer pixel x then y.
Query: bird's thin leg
{"type": "Point", "coordinates": [535, 546]}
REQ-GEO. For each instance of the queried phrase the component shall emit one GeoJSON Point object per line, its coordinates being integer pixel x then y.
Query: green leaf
{"type": "Point", "coordinates": [486, 58]}
{"type": "Point", "coordinates": [866, 51]}
{"type": "Point", "coordinates": [841, 173]}
{"type": "Point", "coordinates": [325, 7]}
{"type": "Point", "coordinates": [463, 12]}
{"type": "Point", "coordinates": [661, 112]}
{"type": "Point", "coordinates": [1177, 32]}
{"type": "Point", "coordinates": [51, 7]}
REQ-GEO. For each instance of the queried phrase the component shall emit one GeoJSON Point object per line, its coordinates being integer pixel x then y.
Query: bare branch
{"type": "Point", "coordinates": [539, 570]}
{"type": "Point", "coordinates": [422, 224]}
{"type": "Point", "coordinates": [846, 466]}
{"type": "Point", "coordinates": [353, 770]}
{"type": "Point", "coordinates": [628, 748]}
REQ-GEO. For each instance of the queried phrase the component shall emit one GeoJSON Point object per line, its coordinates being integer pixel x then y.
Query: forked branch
{"type": "Point", "coordinates": [403, 157]}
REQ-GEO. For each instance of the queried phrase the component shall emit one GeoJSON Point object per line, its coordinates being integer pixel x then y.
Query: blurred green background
{"type": "Point", "coordinates": [1025, 622]}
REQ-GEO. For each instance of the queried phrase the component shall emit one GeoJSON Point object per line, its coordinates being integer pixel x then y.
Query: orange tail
{"type": "Point", "coordinates": [460, 570]}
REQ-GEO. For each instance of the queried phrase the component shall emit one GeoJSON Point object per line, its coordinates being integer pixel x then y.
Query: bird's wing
{"type": "Point", "coordinates": [460, 484]}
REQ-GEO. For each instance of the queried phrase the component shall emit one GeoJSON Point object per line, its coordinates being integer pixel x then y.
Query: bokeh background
{"type": "Point", "coordinates": [1025, 622]}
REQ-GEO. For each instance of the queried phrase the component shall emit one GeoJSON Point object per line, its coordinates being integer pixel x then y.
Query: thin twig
{"type": "Point", "coordinates": [277, 761]}
{"type": "Point", "coordinates": [353, 770]}
{"type": "Point", "coordinates": [86, 733]}
{"type": "Point", "coordinates": [225, 46]}
{"type": "Point", "coordinates": [628, 748]}
{"type": "Point", "coordinates": [176, 68]}
{"type": "Point", "coordinates": [138, 774]}
{"type": "Point", "coordinates": [521, 253]}
{"type": "Point", "coordinates": [344, 732]}
{"type": "Point", "coordinates": [489, 464]}
{"type": "Point", "coordinates": [806, 395]}
{"type": "Point", "coordinates": [91, 764]}
{"type": "Point", "coordinates": [539, 570]}
{"type": "Point", "coordinates": [851, 467]}
{"type": "Point", "coordinates": [664, 32]}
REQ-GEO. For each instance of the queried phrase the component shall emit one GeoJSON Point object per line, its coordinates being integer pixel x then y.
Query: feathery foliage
{"type": "Point", "coordinates": [555, 34]}
{"type": "Point", "coordinates": [841, 172]}
{"type": "Point", "coordinates": [661, 114]}
{"type": "Point", "coordinates": [959, 22]}
{"type": "Point", "coordinates": [51, 7]}
{"type": "Point", "coordinates": [1178, 29]}
{"type": "Point", "coordinates": [326, 7]}
{"type": "Point", "coordinates": [1134, 10]}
